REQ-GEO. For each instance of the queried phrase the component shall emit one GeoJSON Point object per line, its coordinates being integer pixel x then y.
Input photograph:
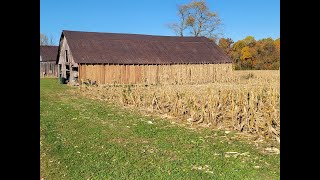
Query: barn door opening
{"type": "Point", "coordinates": [75, 74]}
{"type": "Point", "coordinates": [60, 70]}
{"type": "Point", "coordinates": [67, 66]}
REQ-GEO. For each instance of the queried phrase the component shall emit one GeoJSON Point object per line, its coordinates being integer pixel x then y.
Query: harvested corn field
{"type": "Point", "coordinates": [250, 104]}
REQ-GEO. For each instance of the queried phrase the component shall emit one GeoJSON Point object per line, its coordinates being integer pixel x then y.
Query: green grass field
{"type": "Point", "coordinates": [82, 138]}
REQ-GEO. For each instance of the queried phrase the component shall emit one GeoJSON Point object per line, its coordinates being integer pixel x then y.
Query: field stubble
{"type": "Point", "coordinates": [249, 104]}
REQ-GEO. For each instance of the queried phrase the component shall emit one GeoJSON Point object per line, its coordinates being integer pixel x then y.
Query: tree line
{"type": "Point", "coordinates": [249, 53]}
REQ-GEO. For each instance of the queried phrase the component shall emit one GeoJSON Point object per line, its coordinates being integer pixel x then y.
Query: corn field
{"type": "Point", "coordinates": [250, 104]}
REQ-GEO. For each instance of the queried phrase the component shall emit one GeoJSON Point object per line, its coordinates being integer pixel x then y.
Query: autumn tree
{"type": "Point", "coordinates": [267, 55]}
{"type": "Point", "coordinates": [277, 57]}
{"type": "Point", "coordinates": [266, 51]}
{"type": "Point", "coordinates": [245, 53]}
{"type": "Point", "coordinates": [225, 44]}
{"type": "Point", "coordinates": [247, 57]}
{"type": "Point", "coordinates": [277, 44]}
{"type": "Point", "coordinates": [249, 41]}
{"type": "Point", "coordinates": [237, 46]}
{"type": "Point", "coordinates": [236, 53]}
{"type": "Point", "coordinates": [197, 19]}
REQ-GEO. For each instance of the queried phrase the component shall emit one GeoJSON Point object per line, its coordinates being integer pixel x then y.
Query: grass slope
{"type": "Point", "coordinates": [82, 138]}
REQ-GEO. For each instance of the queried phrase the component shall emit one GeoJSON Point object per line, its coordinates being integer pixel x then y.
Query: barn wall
{"type": "Point", "coordinates": [48, 69]}
{"type": "Point", "coordinates": [156, 74]}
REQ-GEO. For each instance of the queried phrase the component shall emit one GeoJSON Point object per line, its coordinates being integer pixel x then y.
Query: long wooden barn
{"type": "Point", "coordinates": [48, 61]}
{"type": "Point", "coordinates": [112, 58]}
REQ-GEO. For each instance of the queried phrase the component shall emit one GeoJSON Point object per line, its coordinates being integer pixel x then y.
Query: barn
{"type": "Point", "coordinates": [48, 61]}
{"type": "Point", "coordinates": [115, 58]}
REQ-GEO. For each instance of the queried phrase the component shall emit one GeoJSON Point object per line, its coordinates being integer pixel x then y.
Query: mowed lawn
{"type": "Point", "coordinates": [82, 138]}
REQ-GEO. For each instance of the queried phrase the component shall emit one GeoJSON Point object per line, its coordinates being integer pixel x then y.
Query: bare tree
{"type": "Point", "coordinates": [45, 40]}
{"type": "Point", "coordinates": [183, 14]}
{"type": "Point", "coordinates": [198, 19]}
{"type": "Point", "coordinates": [51, 41]}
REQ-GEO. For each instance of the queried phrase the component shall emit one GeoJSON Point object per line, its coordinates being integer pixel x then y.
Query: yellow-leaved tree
{"type": "Point", "coordinates": [245, 53]}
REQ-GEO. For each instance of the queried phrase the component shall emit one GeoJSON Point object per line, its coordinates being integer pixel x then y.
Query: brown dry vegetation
{"type": "Point", "coordinates": [250, 104]}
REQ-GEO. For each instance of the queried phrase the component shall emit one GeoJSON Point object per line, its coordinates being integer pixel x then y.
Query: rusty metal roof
{"type": "Point", "coordinates": [48, 53]}
{"type": "Point", "coordinates": [116, 48]}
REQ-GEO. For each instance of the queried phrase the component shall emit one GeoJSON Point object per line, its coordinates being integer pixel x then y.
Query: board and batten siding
{"type": "Point", "coordinates": [48, 69]}
{"type": "Point", "coordinates": [155, 74]}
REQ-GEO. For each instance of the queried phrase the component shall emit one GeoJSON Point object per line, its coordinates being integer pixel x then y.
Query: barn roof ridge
{"type": "Point", "coordinates": [133, 34]}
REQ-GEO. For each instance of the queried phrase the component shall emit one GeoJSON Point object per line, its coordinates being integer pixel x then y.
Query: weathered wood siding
{"type": "Point", "coordinates": [48, 69]}
{"type": "Point", "coordinates": [62, 58]}
{"type": "Point", "coordinates": [155, 74]}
